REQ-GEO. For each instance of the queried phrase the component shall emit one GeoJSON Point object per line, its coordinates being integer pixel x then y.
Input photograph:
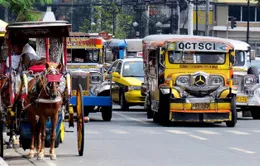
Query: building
{"type": "Point", "coordinates": [239, 10]}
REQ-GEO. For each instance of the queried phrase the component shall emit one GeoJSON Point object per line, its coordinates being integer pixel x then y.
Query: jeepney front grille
{"type": "Point", "coordinates": [238, 82]}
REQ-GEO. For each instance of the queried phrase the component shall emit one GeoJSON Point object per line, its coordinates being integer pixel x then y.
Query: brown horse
{"type": "Point", "coordinates": [44, 100]}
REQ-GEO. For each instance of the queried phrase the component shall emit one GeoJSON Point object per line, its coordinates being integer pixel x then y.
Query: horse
{"type": "Point", "coordinates": [43, 100]}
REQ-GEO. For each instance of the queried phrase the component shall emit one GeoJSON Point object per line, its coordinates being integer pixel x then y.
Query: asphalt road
{"type": "Point", "coordinates": [132, 140]}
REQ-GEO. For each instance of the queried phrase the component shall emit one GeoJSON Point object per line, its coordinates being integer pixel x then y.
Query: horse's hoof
{"type": "Point", "coordinates": [40, 156]}
{"type": "Point", "coordinates": [30, 156]}
{"type": "Point", "coordinates": [53, 157]}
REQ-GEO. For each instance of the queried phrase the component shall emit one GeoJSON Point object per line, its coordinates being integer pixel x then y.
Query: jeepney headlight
{"type": "Point", "coordinates": [134, 87]}
{"type": "Point", "coordinates": [96, 78]}
{"type": "Point", "coordinates": [250, 80]}
{"type": "Point", "coordinates": [216, 81]}
{"type": "Point", "coordinates": [183, 80]}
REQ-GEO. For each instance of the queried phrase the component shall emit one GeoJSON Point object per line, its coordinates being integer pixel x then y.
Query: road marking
{"type": "Point", "coordinates": [242, 150]}
{"type": "Point", "coordinates": [176, 131]}
{"type": "Point", "coordinates": [119, 131]}
{"type": "Point", "coordinates": [207, 132]}
{"type": "Point", "coordinates": [130, 118]}
{"type": "Point", "coordinates": [237, 132]}
{"type": "Point", "coordinates": [185, 133]}
{"type": "Point", "coordinates": [197, 137]}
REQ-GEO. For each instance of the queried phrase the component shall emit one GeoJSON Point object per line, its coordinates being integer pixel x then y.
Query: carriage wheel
{"type": "Point", "coordinates": [80, 120]}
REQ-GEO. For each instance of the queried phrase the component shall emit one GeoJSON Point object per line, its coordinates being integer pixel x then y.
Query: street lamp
{"type": "Point", "coordinates": [135, 24]}
{"type": "Point", "coordinates": [159, 26]}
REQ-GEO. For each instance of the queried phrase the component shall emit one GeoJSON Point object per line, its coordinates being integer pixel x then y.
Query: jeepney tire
{"type": "Point", "coordinates": [164, 110]}
{"type": "Point", "coordinates": [106, 113]}
{"type": "Point", "coordinates": [255, 112]}
{"type": "Point", "coordinates": [233, 121]}
{"type": "Point", "coordinates": [123, 104]}
{"type": "Point", "coordinates": [254, 71]}
{"type": "Point", "coordinates": [156, 118]}
{"type": "Point", "coordinates": [147, 107]}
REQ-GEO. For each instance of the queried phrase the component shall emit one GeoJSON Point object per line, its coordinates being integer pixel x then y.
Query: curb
{"type": "Point", "coordinates": [2, 162]}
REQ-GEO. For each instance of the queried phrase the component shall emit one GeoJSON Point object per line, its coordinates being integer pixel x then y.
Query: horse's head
{"type": "Point", "coordinates": [52, 79]}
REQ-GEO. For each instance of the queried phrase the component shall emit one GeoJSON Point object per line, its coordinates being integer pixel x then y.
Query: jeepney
{"type": "Point", "coordinates": [86, 64]}
{"type": "Point", "coordinates": [134, 48]}
{"type": "Point", "coordinates": [189, 78]}
{"type": "Point", "coordinates": [114, 49]}
{"type": "Point", "coordinates": [246, 80]}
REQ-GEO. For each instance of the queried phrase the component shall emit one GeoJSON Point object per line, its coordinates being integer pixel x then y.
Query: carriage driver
{"type": "Point", "coordinates": [23, 56]}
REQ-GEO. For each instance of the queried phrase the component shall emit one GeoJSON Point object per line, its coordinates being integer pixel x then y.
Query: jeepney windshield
{"type": "Point", "coordinates": [240, 58]}
{"type": "Point", "coordinates": [133, 69]}
{"type": "Point", "coordinates": [83, 56]}
{"type": "Point", "coordinates": [192, 57]}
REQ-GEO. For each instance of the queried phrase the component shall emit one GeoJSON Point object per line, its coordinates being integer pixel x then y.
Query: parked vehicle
{"type": "Point", "coordinates": [188, 78]}
{"type": "Point", "coordinates": [134, 48]}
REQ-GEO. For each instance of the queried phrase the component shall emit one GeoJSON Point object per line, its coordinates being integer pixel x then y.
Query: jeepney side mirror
{"type": "Point", "coordinates": [232, 57]}
{"type": "Point", "coordinates": [143, 89]}
{"type": "Point", "coordinates": [116, 75]}
{"type": "Point", "coordinates": [162, 57]}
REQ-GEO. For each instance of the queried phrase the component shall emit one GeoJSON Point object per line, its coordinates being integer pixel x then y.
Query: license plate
{"type": "Point", "coordinates": [200, 106]}
{"type": "Point", "coordinates": [242, 99]}
{"type": "Point", "coordinates": [84, 93]}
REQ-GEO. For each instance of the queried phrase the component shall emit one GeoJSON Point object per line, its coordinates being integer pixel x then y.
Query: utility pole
{"type": "Point", "coordinates": [190, 19]}
{"type": "Point", "coordinates": [147, 7]}
{"type": "Point", "coordinates": [6, 14]}
{"type": "Point", "coordinates": [197, 17]}
{"type": "Point", "coordinates": [227, 24]}
{"type": "Point", "coordinates": [178, 12]}
{"type": "Point", "coordinates": [248, 18]}
{"type": "Point", "coordinates": [207, 19]}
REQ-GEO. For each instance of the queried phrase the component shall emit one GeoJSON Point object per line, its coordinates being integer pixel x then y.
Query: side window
{"type": "Point", "coordinates": [118, 68]}
{"type": "Point", "coordinates": [151, 58]}
{"type": "Point", "coordinates": [112, 68]}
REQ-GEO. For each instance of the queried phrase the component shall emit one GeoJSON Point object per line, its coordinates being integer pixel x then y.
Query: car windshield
{"type": "Point", "coordinates": [240, 58]}
{"type": "Point", "coordinates": [83, 56]}
{"type": "Point", "coordinates": [133, 69]}
{"type": "Point", "coordinates": [191, 57]}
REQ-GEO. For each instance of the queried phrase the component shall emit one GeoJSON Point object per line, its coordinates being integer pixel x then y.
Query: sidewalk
{"type": "Point", "coordinates": [2, 162]}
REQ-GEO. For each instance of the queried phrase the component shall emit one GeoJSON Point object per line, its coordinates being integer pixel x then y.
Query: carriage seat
{"type": "Point", "coordinates": [37, 68]}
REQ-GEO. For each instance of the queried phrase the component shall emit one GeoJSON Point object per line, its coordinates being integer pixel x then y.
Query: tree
{"type": "Point", "coordinates": [24, 10]}
{"type": "Point", "coordinates": [108, 17]}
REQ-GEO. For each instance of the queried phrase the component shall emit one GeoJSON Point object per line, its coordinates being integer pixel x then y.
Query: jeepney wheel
{"type": "Point", "coordinates": [106, 113]}
{"type": "Point", "coordinates": [80, 120]}
{"type": "Point", "coordinates": [233, 121]}
{"type": "Point", "coordinates": [254, 71]}
{"type": "Point", "coordinates": [147, 107]}
{"type": "Point", "coordinates": [123, 104]}
{"type": "Point", "coordinates": [164, 109]}
{"type": "Point", "coordinates": [255, 112]}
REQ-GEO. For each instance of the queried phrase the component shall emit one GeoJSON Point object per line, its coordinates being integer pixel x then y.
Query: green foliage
{"type": "Point", "coordinates": [107, 15]}
{"type": "Point", "coordinates": [24, 9]}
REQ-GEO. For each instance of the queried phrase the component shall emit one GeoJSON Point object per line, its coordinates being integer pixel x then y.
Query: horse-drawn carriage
{"type": "Point", "coordinates": [35, 96]}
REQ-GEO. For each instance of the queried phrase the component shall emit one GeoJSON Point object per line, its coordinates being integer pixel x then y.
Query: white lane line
{"type": "Point", "coordinates": [242, 150]}
{"type": "Point", "coordinates": [237, 132]}
{"type": "Point", "coordinates": [197, 137]}
{"type": "Point", "coordinates": [208, 132]}
{"type": "Point", "coordinates": [185, 133]}
{"type": "Point", "coordinates": [116, 131]}
{"type": "Point", "coordinates": [130, 118]}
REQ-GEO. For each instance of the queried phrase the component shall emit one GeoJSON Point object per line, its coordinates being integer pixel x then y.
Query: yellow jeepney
{"type": "Point", "coordinates": [189, 78]}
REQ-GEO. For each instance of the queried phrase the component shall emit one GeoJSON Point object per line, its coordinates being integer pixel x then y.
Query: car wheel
{"type": "Point", "coordinates": [164, 109]}
{"type": "Point", "coordinates": [106, 113]}
{"type": "Point", "coordinates": [123, 104]}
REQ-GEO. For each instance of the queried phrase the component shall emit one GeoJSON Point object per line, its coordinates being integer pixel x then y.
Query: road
{"type": "Point", "coordinates": [132, 140]}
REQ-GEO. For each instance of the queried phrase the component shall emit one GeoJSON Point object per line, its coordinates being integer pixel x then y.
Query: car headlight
{"type": "Point", "coordinates": [250, 80]}
{"type": "Point", "coordinates": [183, 80]}
{"type": "Point", "coordinates": [216, 81]}
{"type": "Point", "coordinates": [134, 87]}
